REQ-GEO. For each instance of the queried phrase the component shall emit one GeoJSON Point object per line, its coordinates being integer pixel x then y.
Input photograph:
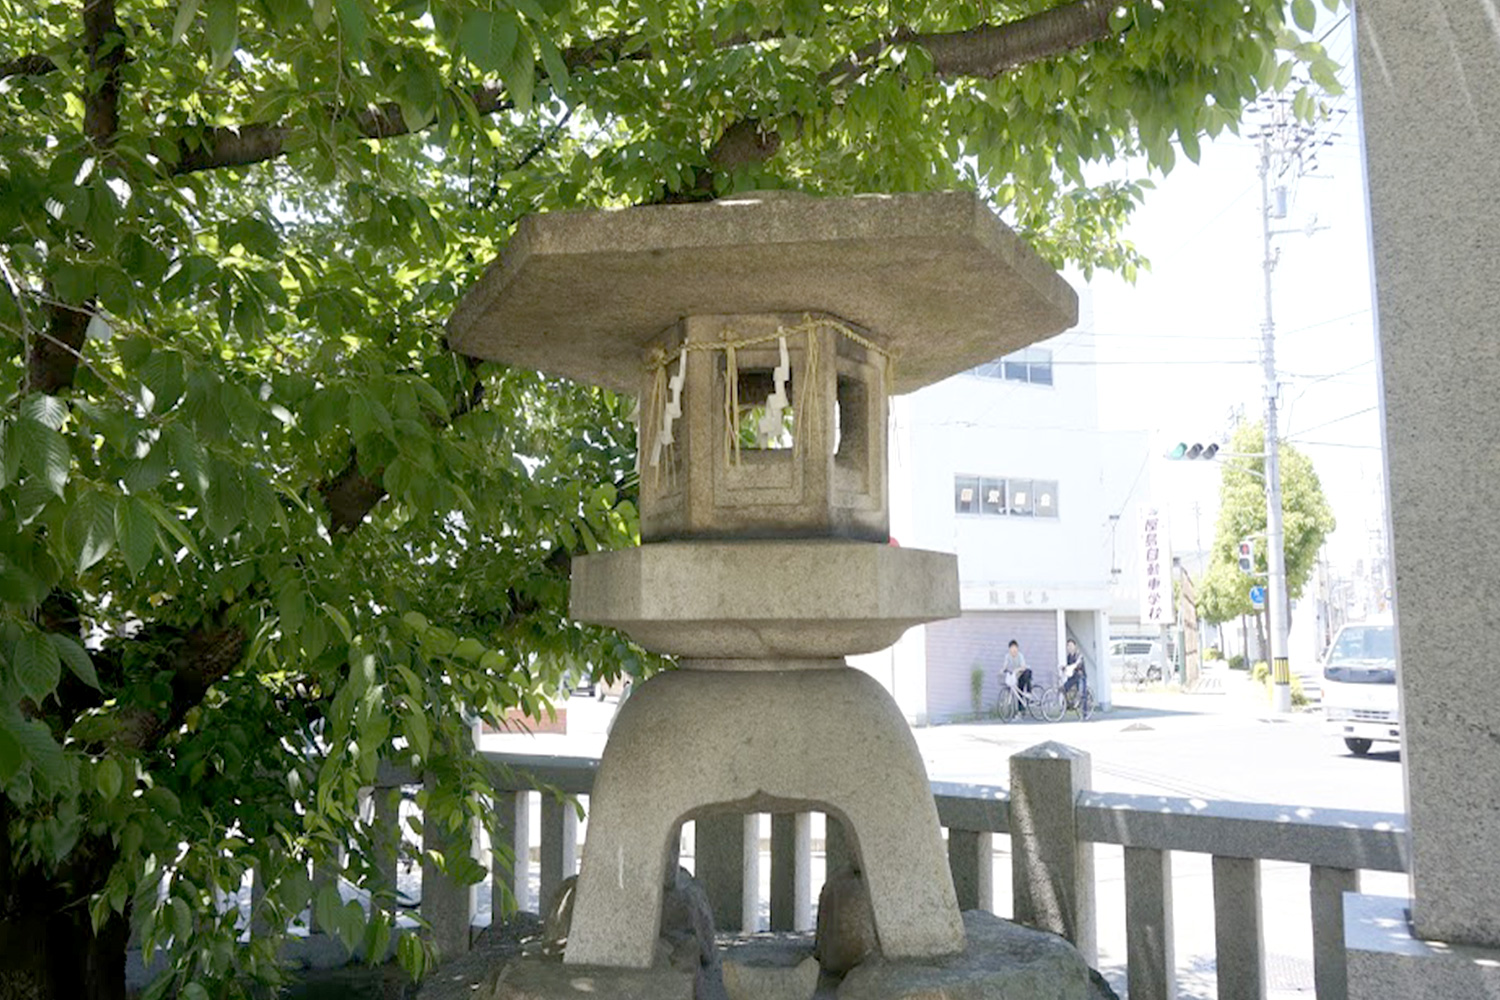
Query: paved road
{"type": "Point", "coordinates": [1224, 746]}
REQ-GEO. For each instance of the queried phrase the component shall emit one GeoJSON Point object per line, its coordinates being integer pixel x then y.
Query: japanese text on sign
{"type": "Point", "coordinates": [1156, 569]}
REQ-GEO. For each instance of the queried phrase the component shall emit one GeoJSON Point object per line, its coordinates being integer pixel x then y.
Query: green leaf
{"type": "Point", "coordinates": [414, 724]}
{"type": "Point", "coordinates": [163, 375]}
{"type": "Point", "coordinates": [73, 283]}
{"type": "Point", "coordinates": [1304, 14]}
{"type": "Point", "coordinates": [44, 452]}
{"type": "Point", "coordinates": [49, 411]}
{"type": "Point", "coordinates": [135, 532]}
{"type": "Point", "coordinates": [225, 500]}
{"type": "Point", "coordinates": [352, 23]}
{"type": "Point", "coordinates": [552, 61]}
{"type": "Point", "coordinates": [517, 61]}
{"type": "Point", "coordinates": [476, 40]}
{"type": "Point", "coordinates": [189, 456]}
{"type": "Point", "coordinates": [10, 455]}
{"type": "Point", "coordinates": [326, 907]}
{"type": "Point", "coordinates": [186, 11]}
{"type": "Point", "coordinates": [44, 752]}
{"type": "Point", "coordinates": [89, 529]}
{"type": "Point", "coordinates": [77, 659]}
{"type": "Point", "coordinates": [37, 667]}
{"type": "Point", "coordinates": [11, 756]}
{"type": "Point", "coordinates": [223, 30]}
{"type": "Point", "coordinates": [172, 526]}
{"type": "Point", "coordinates": [109, 778]}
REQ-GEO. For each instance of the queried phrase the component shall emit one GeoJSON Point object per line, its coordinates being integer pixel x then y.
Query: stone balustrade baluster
{"type": "Point", "coordinates": [447, 904]}
{"type": "Point", "coordinates": [791, 871]}
{"type": "Point", "coordinates": [1239, 934]}
{"type": "Point", "coordinates": [1330, 960]}
{"type": "Point", "coordinates": [559, 846]}
{"type": "Point", "coordinates": [1150, 957]}
{"type": "Point", "coordinates": [971, 858]}
{"type": "Point", "coordinates": [512, 834]}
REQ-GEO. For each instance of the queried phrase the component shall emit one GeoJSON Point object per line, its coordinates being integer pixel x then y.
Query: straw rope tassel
{"type": "Point", "coordinates": [731, 405]}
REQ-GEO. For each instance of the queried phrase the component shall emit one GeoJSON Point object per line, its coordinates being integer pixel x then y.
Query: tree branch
{"type": "Point", "coordinates": [992, 49]}
{"type": "Point", "coordinates": [52, 360]}
{"type": "Point", "coordinates": [31, 64]}
{"type": "Point", "coordinates": [351, 494]}
{"type": "Point", "coordinates": [985, 51]}
{"type": "Point", "coordinates": [104, 44]}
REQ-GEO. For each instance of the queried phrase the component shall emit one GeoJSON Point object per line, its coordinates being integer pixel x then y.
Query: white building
{"type": "Point", "coordinates": [1006, 466]}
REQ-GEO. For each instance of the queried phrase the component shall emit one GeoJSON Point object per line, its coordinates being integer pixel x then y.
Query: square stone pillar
{"type": "Point", "coordinates": [1052, 868]}
{"type": "Point", "coordinates": [1429, 73]}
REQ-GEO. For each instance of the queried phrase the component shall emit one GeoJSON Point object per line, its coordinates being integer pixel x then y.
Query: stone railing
{"type": "Point", "coordinates": [1053, 821]}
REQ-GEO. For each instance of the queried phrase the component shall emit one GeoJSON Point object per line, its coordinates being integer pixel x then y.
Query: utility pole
{"type": "Point", "coordinates": [1277, 604]}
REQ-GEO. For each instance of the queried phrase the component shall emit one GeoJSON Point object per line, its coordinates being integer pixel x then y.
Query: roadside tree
{"type": "Point", "coordinates": [1306, 521]}
{"type": "Point", "coordinates": [260, 530]}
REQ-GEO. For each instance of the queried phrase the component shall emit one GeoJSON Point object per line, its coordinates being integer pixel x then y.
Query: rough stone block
{"type": "Point", "coordinates": [846, 925]}
{"type": "Point", "coordinates": [1003, 961]}
{"type": "Point", "coordinates": [770, 967]}
{"type": "Point", "coordinates": [536, 979]}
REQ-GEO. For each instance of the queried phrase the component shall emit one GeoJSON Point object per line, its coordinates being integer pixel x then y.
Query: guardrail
{"type": "Point", "coordinates": [1053, 820]}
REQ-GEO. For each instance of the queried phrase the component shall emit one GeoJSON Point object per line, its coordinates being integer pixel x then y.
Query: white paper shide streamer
{"type": "Point", "coordinates": [777, 402]}
{"type": "Point", "coordinates": [673, 409]}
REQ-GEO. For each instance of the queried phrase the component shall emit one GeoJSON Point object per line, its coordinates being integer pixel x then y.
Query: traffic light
{"type": "Point", "coordinates": [1247, 555]}
{"type": "Point", "coordinates": [1187, 452]}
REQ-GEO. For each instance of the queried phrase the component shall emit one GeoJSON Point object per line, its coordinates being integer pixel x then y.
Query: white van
{"type": "Point", "coordinates": [1361, 702]}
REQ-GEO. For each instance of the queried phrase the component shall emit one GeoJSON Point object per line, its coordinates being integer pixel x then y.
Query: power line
{"type": "Point", "coordinates": [1338, 420]}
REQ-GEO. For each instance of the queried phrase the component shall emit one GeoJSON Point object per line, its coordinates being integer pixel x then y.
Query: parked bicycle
{"type": "Point", "coordinates": [1040, 703]}
{"type": "Point", "coordinates": [1141, 673]}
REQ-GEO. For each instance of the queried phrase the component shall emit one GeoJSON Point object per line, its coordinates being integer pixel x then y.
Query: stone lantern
{"type": "Point", "coordinates": [763, 335]}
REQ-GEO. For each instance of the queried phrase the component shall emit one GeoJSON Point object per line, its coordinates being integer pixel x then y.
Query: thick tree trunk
{"type": "Point", "coordinates": [48, 950]}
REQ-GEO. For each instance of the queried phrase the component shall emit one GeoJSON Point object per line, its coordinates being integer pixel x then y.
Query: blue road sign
{"type": "Point", "coordinates": [1258, 596]}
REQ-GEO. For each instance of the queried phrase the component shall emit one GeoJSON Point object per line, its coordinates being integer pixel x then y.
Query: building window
{"type": "Point", "coordinates": [1046, 497]}
{"type": "Point", "coordinates": [966, 494]}
{"type": "Point", "coordinates": [1031, 364]}
{"type": "Point", "coordinates": [1021, 500]}
{"type": "Point", "coordinates": [993, 496]}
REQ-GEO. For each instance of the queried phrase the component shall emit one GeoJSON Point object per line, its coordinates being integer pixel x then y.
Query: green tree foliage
{"type": "Point", "coordinates": [1306, 521]}
{"type": "Point", "coordinates": [260, 530]}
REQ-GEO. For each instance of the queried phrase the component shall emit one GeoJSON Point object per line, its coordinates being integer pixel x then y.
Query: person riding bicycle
{"type": "Point", "coordinates": [1015, 666]}
{"type": "Point", "coordinates": [1073, 671]}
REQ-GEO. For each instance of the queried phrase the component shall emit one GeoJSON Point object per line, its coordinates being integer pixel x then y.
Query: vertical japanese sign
{"type": "Point", "coordinates": [1156, 569]}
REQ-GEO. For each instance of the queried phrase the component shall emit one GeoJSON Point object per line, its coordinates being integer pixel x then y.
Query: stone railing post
{"type": "Point", "coordinates": [791, 871]}
{"type": "Point", "coordinates": [1052, 869]}
{"type": "Point", "coordinates": [559, 846]}
{"type": "Point", "coordinates": [385, 823]}
{"type": "Point", "coordinates": [1239, 934]}
{"type": "Point", "coordinates": [447, 905]}
{"type": "Point", "coordinates": [512, 832]}
{"type": "Point", "coordinates": [726, 851]}
{"type": "Point", "coordinates": [1330, 961]}
{"type": "Point", "coordinates": [971, 858]}
{"type": "Point", "coordinates": [1149, 953]}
